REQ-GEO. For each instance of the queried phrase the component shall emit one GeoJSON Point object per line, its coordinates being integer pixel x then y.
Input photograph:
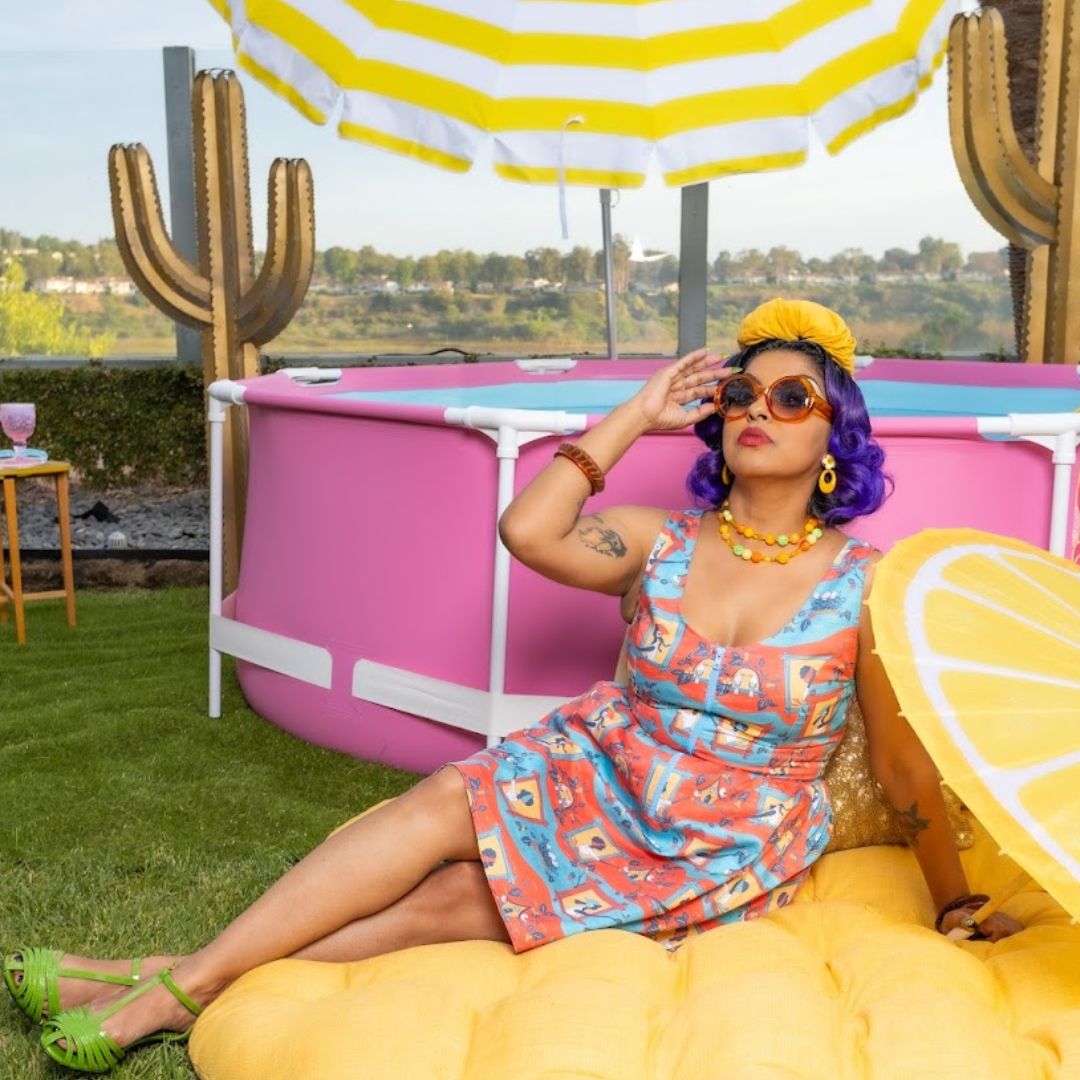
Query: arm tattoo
{"type": "Point", "coordinates": [911, 824]}
{"type": "Point", "coordinates": [602, 540]}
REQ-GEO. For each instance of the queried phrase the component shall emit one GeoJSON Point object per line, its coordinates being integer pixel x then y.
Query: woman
{"type": "Point", "coordinates": [687, 798]}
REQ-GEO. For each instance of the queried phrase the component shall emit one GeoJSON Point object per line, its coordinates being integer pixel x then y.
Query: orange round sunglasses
{"type": "Point", "coordinates": [790, 399]}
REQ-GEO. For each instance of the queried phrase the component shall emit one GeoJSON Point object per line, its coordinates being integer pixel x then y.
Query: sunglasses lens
{"type": "Point", "coordinates": [790, 399]}
{"type": "Point", "coordinates": [736, 396]}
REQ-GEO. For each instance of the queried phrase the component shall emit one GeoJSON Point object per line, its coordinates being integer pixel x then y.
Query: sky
{"type": "Point", "coordinates": [79, 75]}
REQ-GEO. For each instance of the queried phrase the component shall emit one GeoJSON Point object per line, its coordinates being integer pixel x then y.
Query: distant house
{"type": "Point", "coordinates": [539, 284]}
{"type": "Point", "coordinates": [446, 288]}
{"type": "Point", "coordinates": [62, 285]}
{"type": "Point", "coordinates": [822, 279]}
{"type": "Point", "coordinates": [377, 285]}
{"type": "Point", "coordinates": [119, 286]}
{"type": "Point", "coordinates": [100, 286]}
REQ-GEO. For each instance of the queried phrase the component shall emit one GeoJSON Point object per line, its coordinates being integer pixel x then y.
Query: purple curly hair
{"type": "Point", "coordinates": [860, 480]}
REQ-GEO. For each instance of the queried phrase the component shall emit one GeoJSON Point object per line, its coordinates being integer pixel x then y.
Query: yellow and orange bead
{"type": "Point", "coordinates": [790, 546]}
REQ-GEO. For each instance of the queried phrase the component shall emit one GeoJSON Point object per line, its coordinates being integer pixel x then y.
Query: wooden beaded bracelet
{"type": "Point", "coordinates": [961, 901]}
{"type": "Point", "coordinates": [573, 452]}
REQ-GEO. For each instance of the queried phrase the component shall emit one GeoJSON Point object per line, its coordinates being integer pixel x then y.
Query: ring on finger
{"type": "Point", "coordinates": [976, 931]}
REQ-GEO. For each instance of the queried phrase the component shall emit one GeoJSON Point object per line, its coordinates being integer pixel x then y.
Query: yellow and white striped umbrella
{"type": "Point", "coordinates": [980, 637]}
{"type": "Point", "coordinates": [586, 89]}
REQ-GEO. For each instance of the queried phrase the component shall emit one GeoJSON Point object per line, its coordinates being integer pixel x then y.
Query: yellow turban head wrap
{"type": "Point", "coordinates": [800, 320]}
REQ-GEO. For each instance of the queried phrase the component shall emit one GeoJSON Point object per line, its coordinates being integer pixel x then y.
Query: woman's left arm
{"type": "Point", "coordinates": [909, 778]}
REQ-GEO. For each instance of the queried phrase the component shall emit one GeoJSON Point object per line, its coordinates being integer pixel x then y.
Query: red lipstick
{"type": "Point", "coordinates": [753, 436]}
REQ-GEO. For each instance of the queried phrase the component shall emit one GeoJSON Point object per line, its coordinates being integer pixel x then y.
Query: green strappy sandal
{"type": "Point", "coordinates": [39, 985]}
{"type": "Point", "coordinates": [89, 1048]}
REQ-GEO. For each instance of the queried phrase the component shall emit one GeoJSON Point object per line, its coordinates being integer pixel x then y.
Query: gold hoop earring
{"type": "Point", "coordinates": [827, 480]}
{"type": "Point", "coordinates": [725, 476]}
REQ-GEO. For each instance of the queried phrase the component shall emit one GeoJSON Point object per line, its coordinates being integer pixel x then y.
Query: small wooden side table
{"type": "Point", "coordinates": [13, 593]}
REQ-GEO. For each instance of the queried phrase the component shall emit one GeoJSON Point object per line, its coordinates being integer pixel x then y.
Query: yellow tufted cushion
{"type": "Point", "coordinates": [849, 982]}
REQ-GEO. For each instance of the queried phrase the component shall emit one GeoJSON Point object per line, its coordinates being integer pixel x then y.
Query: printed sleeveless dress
{"type": "Point", "coordinates": [688, 798]}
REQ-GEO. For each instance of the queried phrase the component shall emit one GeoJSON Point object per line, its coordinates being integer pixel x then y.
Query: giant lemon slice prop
{"type": "Point", "coordinates": [980, 637]}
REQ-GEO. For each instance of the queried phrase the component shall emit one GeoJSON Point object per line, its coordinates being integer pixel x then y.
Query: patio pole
{"type": "Point", "coordinates": [609, 274]}
{"type": "Point", "coordinates": [179, 63]}
{"type": "Point", "coordinates": [693, 267]}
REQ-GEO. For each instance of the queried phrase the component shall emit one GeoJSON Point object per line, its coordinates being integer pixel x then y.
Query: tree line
{"type": "Point", "coordinates": [933, 258]}
{"type": "Point", "coordinates": [45, 256]}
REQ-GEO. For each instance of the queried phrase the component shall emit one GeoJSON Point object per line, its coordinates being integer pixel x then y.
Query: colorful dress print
{"type": "Point", "coordinates": [688, 798]}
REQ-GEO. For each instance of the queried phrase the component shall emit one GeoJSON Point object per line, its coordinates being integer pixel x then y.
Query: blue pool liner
{"type": "Point", "coordinates": [598, 396]}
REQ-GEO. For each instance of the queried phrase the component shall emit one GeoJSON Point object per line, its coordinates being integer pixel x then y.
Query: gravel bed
{"type": "Point", "coordinates": [133, 518]}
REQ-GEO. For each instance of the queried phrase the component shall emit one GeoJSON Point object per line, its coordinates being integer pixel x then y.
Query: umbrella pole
{"type": "Point", "coordinates": [609, 273]}
{"type": "Point", "coordinates": [991, 905]}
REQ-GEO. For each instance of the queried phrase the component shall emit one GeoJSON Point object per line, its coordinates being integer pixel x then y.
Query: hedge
{"type": "Point", "coordinates": [118, 427]}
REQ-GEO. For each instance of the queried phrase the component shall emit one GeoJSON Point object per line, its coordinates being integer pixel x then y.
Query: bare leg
{"type": "Point", "coordinates": [453, 903]}
{"type": "Point", "coordinates": [356, 873]}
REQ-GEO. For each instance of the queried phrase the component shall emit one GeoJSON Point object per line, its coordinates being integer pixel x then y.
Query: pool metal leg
{"type": "Point", "coordinates": [510, 429]}
{"type": "Point", "coordinates": [1058, 433]}
{"type": "Point", "coordinates": [1061, 504]}
{"type": "Point", "coordinates": [217, 413]}
{"type": "Point", "coordinates": [221, 396]}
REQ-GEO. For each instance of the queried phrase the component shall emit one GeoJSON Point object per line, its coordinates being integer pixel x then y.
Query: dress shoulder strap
{"type": "Point", "coordinates": [847, 575]}
{"type": "Point", "coordinates": [665, 571]}
{"type": "Point", "coordinates": [855, 559]}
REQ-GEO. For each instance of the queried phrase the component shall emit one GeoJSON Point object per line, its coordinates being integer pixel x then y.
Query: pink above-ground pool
{"type": "Point", "coordinates": [377, 613]}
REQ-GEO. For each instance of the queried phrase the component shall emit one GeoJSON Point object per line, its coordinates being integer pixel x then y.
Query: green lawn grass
{"type": "Point", "coordinates": [130, 822]}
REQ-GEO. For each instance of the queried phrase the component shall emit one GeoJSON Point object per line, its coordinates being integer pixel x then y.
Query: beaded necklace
{"type": "Point", "coordinates": [790, 546]}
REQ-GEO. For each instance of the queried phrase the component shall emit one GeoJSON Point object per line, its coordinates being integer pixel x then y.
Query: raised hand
{"type": "Point", "coordinates": [662, 399]}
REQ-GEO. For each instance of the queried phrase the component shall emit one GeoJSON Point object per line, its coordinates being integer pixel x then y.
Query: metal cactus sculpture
{"type": "Point", "coordinates": [235, 309]}
{"type": "Point", "coordinates": [1033, 204]}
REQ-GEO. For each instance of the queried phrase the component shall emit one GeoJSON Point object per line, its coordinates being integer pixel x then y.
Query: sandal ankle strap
{"type": "Point", "coordinates": [189, 1003]}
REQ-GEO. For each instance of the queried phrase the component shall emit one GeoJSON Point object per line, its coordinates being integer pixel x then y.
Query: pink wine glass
{"type": "Point", "coordinates": [18, 421]}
